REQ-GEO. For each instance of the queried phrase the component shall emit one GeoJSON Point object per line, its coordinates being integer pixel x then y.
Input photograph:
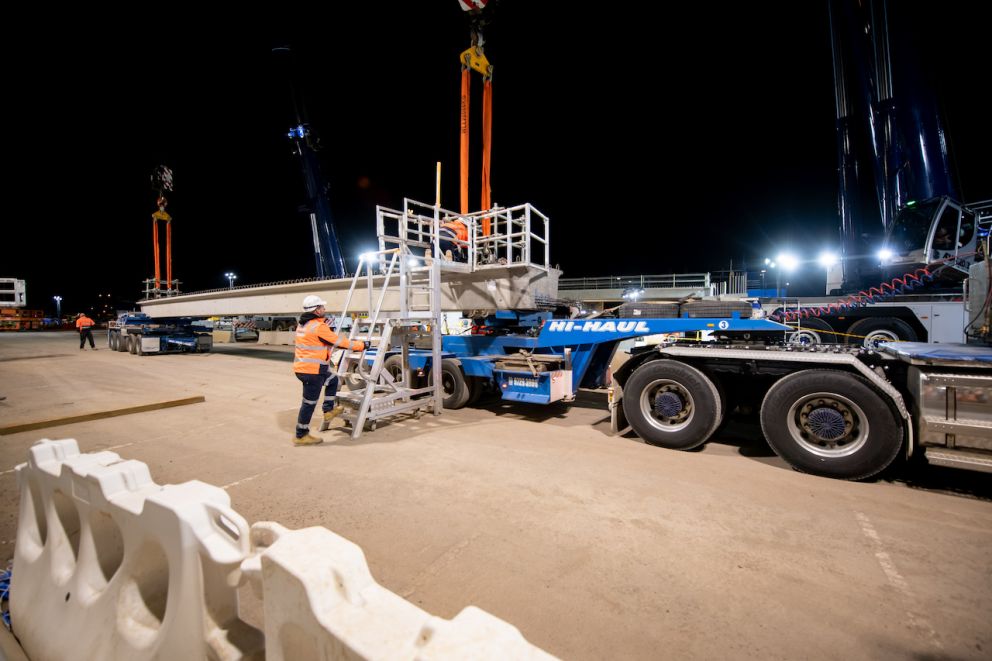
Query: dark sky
{"type": "Point", "coordinates": [658, 137]}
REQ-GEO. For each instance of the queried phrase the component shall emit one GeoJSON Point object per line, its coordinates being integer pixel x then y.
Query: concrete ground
{"type": "Point", "coordinates": [594, 546]}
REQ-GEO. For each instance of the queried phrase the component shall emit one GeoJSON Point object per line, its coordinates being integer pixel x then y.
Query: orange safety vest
{"type": "Point", "coordinates": [84, 322]}
{"type": "Point", "coordinates": [314, 342]}
{"type": "Point", "coordinates": [458, 227]}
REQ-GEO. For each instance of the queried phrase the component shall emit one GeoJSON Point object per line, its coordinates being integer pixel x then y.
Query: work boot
{"type": "Point", "coordinates": [94, 348]}
{"type": "Point", "coordinates": [309, 439]}
{"type": "Point", "coordinates": [333, 413]}
{"type": "Point", "coordinates": [329, 417]}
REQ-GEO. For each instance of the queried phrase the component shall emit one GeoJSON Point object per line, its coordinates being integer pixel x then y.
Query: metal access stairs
{"type": "Point", "coordinates": [387, 386]}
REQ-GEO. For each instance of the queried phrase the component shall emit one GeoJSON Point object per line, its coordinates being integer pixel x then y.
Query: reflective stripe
{"type": "Point", "coordinates": [329, 398]}
{"type": "Point", "coordinates": [312, 347]}
{"type": "Point", "coordinates": [456, 226]}
{"type": "Point", "coordinates": [299, 426]}
{"type": "Point", "coordinates": [307, 401]}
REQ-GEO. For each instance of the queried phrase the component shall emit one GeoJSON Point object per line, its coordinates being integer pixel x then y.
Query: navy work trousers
{"type": "Point", "coordinates": [312, 385]}
{"type": "Point", "coordinates": [84, 334]}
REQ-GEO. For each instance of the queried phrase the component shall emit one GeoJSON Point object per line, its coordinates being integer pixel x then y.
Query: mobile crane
{"type": "Point", "coordinates": [327, 250]}
{"type": "Point", "coordinates": [906, 241]}
{"type": "Point", "coordinates": [844, 410]}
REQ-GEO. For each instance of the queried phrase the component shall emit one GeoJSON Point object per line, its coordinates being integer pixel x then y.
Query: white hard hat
{"type": "Point", "coordinates": [311, 303]}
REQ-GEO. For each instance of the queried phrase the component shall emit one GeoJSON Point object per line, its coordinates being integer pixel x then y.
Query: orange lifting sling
{"type": "Point", "coordinates": [474, 58]}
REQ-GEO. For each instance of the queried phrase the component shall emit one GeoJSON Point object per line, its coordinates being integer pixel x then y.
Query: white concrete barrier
{"type": "Point", "coordinates": [321, 602]}
{"type": "Point", "coordinates": [110, 565]}
{"type": "Point", "coordinates": [277, 337]}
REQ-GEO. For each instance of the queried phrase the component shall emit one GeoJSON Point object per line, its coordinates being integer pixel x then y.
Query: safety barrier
{"type": "Point", "coordinates": [321, 602]}
{"type": "Point", "coordinates": [277, 337]}
{"type": "Point", "coordinates": [110, 565]}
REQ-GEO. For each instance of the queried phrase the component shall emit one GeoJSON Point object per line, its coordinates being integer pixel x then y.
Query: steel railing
{"type": "Point", "coordinates": [666, 281]}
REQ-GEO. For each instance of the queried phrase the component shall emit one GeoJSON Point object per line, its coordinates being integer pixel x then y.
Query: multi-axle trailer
{"type": "Point", "coordinates": [840, 411]}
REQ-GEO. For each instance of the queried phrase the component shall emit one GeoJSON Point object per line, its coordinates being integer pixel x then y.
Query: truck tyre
{"type": "Point", "coordinates": [350, 377]}
{"type": "Point", "coordinates": [830, 423]}
{"type": "Point", "coordinates": [394, 365]}
{"type": "Point", "coordinates": [881, 329]}
{"type": "Point", "coordinates": [122, 342]}
{"type": "Point", "coordinates": [112, 341]}
{"type": "Point", "coordinates": [454, 390]}
{"type": "Point", "coordinates": [137, 346]}
{"type": "Point", "coordinates": [671, 404]}
{"type": "Point", "coordinates": [132, 346]}
{"type": "Point", "coordinates": [812, 331]}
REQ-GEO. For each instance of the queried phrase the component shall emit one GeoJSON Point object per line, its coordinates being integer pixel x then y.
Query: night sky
{"type": "Point", "coordinates": [591, 106]}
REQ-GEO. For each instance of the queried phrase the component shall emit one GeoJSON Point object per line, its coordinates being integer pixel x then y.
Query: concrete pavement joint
{"type": "Point", "coordinates": [250, 478]}
{"type": "Point", "coordinates": [435, 567]}
{"type": "Point", "coordinates": [896, 579]}
{"type": "Point", "coordinates": [118, 447]}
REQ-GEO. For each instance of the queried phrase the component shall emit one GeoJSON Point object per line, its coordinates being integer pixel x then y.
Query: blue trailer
{"type": "Point", "coordinates": [841, 411]}
{"type": "Point", "coordinates": [536, 359]}
{"type": "Point", "coordinates": [139, 334]}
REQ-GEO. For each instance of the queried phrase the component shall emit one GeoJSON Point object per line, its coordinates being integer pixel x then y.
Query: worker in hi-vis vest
{"type": "Point", "coordinates": [315, 344]}
{"type": "Point", "coordinates": [453, 240]}
{"type": "Point", "coordinates": [85, 327]}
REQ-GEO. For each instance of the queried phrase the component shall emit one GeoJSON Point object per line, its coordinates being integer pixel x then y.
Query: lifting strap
{"type": "Point", "coordinates": [487, 134]}
{"type": "Point", "coordinates": [466, 95]}
{"type": "Point", "coordinates": [475, 58]}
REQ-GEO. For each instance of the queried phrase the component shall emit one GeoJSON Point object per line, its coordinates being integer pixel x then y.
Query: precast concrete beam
{"type": "Point", "coordinates": [514, 287]}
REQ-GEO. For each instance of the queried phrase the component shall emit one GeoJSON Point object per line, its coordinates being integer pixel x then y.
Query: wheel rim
{"type": "Point", "coordinates": [828, 425]}
{"type": "Point", "coordinates": [873, 338]}
{"type": "Point", "coordinates": [447, 384]}
{"type": "Point", "coordinates": [805, 337]}
{"type": "Point", "coordinates": [667, 405]}
{"type": "Point", "coordinates": [395, 371]}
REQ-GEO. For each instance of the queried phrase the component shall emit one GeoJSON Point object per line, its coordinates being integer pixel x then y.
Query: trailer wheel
{"type": "Point", "coordinates": [454, 390]}
{"type": "Point", "coordinates": [830, 423]}
{"type": "Point", "coordinates": [881, 329]}
{"type": "Point", "coordinates": [112, 341]}
{"type": "Point", "coordinates": [350, 377]}
{"type": "Point", "coordinates": [394, 365]}
{"type": "Point", "coordinates": [122, 342]}
{"type": "Point", "coordinates": [131, 347]}
{"type": "Point", "coordinates": [671, 404]}
{"type": "Point", "coordinates": [137, 346]}
{"type": "Point", "coordinates": [812, 331]}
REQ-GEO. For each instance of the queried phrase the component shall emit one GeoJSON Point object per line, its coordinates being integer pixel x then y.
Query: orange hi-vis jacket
{"type": "Point", "coordinates": [84, 322]}
{"type": "Point", "coordinates": [314, 343]}
{"type": "Point", "coordinates": [458, 227]}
